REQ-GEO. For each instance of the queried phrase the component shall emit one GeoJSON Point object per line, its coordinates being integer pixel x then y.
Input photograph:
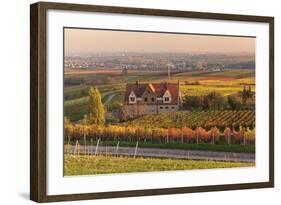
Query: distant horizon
{"type": "Point", "coordinates": [159, 52]}
{"type": "Point", "coordinates": [91, 41]}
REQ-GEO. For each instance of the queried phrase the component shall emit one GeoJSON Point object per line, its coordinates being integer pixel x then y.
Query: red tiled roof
{"type": "Point", "coordinates": [159, 90]}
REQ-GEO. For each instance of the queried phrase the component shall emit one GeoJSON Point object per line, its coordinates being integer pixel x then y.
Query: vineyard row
{"type": "Point", "coordinates": [159, 135]}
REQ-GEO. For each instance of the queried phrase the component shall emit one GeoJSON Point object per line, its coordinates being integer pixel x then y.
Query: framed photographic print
{"type": "Point", "coordinates": [135, 102]}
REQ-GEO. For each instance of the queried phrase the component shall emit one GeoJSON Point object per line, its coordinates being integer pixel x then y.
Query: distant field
{"type": "Point", "coordinates": [202, 90]}
{"type": "Point", "coordinates": [113, 83]}
{"type": "Point", "coordinates": [231, 74]}
{"type": "Point", "coordinates": [91, 165]}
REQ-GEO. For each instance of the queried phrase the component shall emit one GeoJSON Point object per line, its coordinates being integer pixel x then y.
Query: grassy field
{"type": "Point", "coordinates": [204, 89]}
{"type": "Point", "coordinates": [76, 108]}
{"type": "Point", "coordinates": [225, 82]}
{"type": "Point", "coordinates": [90, 165]}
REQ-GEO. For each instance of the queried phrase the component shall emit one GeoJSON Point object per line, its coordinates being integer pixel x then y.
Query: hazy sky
{"type": "Point", "coordinates": [79, 41]}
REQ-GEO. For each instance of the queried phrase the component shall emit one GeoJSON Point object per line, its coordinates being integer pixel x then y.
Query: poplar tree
{"type": "Point", "coordinates": [96, 109]}
{"type": "Point", "coordinates": [68, 129]}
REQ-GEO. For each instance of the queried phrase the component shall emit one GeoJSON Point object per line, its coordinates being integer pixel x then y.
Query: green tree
{"type": "Point", "coordinates": [214, 101]}
{"type": "Point", "coordinates": [96, 109]}
{"type": "Point", "coordinates": [192, 103]}
{"type": "Point", "coordinates": [234, 102]}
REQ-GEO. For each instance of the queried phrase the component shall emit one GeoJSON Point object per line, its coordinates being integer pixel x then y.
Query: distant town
{"type": "Point", "coordinates": [177, 62]}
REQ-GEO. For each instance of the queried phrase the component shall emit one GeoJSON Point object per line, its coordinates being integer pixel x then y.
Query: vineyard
{"type": "Point", "coordinates": [213, 135]}
{"type": "Point", "coordinates": [194, 119]}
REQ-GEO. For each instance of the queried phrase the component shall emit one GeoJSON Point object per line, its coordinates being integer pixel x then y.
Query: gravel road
{"type": "Point", "coordinates": [169, 153]}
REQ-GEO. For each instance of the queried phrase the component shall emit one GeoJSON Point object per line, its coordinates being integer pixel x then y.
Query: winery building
{"type": "Point", "coordinates": [149, 98]}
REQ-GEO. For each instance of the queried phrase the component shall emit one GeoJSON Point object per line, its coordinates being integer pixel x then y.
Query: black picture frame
{"type": "Point", "coordinates": [38, 100]}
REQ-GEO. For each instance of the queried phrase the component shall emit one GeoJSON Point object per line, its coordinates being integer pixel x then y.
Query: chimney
{"type": "Point", "coordinates": [169, 71]}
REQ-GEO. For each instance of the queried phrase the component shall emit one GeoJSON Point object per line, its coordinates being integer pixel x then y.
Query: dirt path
{"type": "Point", "coordinates": [171, 153]}
{"type": "Point", "coordinates": [110, 98]}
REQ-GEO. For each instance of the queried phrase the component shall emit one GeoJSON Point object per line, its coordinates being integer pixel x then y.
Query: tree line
{"type": "Point", "coordinates": [216, 101]}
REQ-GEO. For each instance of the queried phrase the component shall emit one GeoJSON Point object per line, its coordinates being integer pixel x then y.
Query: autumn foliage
{"type": "Point", "coordinates": [158, 135]}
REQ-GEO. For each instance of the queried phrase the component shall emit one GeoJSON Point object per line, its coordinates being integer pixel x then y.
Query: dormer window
{"type": "Point", "coordinates": [132, 98]}
{"type": "Point", "coordinates": [166, 99]}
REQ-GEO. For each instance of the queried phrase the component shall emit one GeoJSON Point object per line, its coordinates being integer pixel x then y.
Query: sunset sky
{"type": "Point", "coordinates": [81, 41]}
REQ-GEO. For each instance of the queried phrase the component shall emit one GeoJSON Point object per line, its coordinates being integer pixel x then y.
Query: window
{"type": "Point", "coordinates": [132, 98]}
{"type": "Point", "coordinates": [152, 99]}
{"type": "Point", "coordinates": [161, 107]}
{"type": "Point", "coordinates": [167, 107]}
{"type": "Point", "coordinates": [166, 99]}
{"type": "Point", "coordinates": [172, 107]}
{"type": "Point", "coordinates": [145, 99]}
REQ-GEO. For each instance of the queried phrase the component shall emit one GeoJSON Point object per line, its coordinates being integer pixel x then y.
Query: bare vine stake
{"type": "Point", "coordinates": [117, 147]}
{"type": "Point", "coordinates": [78, 148]}
{"type": "Point", "coordinates": [85, 144]}
{"type": "Point", "coordinates": [69, 148]}
{"type": "Point", "coordinates": [136, 149]}
{"type": "Point", "coordinates": [90, 150]}
{"type": "Point", "coordinates": [75, 148]}
{"type": "Point", "coordinates": [97, 147]}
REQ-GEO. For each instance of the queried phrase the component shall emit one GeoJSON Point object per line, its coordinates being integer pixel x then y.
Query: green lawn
{"type": "Point", "coordinates": [90, 165]}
